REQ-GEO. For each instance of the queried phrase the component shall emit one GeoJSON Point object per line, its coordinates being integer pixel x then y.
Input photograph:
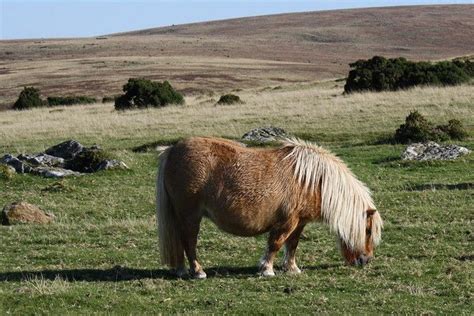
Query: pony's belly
{"type": "Point", "coordinates": [238, 224]}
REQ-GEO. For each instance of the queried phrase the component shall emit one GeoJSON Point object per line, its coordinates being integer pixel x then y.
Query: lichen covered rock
{"type": "Point", "coordinates": [23, 213]}
{"type": "Point", "coordinates": [433, 151]}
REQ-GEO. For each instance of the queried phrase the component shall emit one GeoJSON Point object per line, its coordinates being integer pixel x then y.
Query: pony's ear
{"type": "Point", "coordinates": [370, 212]}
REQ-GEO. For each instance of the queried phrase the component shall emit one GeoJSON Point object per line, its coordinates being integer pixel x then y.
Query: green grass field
{"type": "Point", "coordinates": [101, 253]}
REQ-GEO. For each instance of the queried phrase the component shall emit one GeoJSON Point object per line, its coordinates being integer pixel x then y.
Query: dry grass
{"type": "Point", "coordinates": [38, 285]}
{"type": "Point", "coordinates": [317, 109]}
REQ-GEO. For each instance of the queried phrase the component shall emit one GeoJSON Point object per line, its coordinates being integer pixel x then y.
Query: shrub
{"type": "Point", "coordinates": [109, 98]}
{"type": "Point", "coordinates": [70, 100]}
{"type": "Point", "coordinates": [28, 98]}
{"type": "Point", "coordinates": [418, 129]}
{"type": "Point", "coordinates": [142, 93]}
{"type": "Point", "coordinates": [229, 99]}
{"type": "Point", "coordinates": [454, 129]}
{"type": "Point", "coordinates": [380, 74]}
{"type": "Point", "coordinates": [6, 173]}
{"type": "Point", "coordinates": [415, 129]}
{"type": "Point", "coordinates": [88, 160]}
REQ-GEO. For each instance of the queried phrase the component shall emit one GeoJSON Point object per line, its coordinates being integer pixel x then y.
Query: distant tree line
{"type": "Point", "coordinates": [382, 74]}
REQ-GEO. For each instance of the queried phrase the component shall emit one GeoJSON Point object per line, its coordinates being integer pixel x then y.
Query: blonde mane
{"type": "Point", "coordinates": [344, 199]}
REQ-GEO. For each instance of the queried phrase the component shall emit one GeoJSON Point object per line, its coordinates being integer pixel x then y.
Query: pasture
{"type": "Point", "coordinates": [101, 253]}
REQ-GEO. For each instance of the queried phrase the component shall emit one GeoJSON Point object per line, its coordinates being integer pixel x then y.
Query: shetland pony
{"type": "Point", "coordinates": [247, 192]}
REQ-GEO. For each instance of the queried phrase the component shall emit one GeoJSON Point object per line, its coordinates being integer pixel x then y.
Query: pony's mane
{"type": "Point", "coordinates": [344, 199]}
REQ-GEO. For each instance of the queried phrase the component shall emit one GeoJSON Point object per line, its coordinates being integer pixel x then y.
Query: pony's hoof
{"type": "Point", "coordinates": [200, 275]}
{"type": "Point", "coordinates": [293, 270]}
{"type": "Point", "coordinates": [267, 273]}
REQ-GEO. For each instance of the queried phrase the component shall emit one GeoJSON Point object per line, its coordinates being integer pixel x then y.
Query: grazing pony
{"type": "Point", "coordinates": [248, 191]}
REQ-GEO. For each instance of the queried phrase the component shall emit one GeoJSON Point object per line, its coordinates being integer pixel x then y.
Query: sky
{"type": "Point", "coordinates": [21, 19]}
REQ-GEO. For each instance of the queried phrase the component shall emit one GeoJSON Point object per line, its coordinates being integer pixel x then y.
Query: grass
{"type": "Point", "coordinates": [101, 253]}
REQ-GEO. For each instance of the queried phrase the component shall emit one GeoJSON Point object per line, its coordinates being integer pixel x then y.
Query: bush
{"type": "Point", "coordinates": [109, 98]}
{"type": "Point", "coordinates": [380, 74]}
{"type": "Point", "coordinates": [454, 129]}
{"type": "Point", "coordinates": [28, 98]}
{"type": "Point", "coordinates": [229, 99]}
{"type": "Point", "coordinates": [6, 172]}
{"type": "Point", "coordinates": [70, 100]}
{"type": "Point", "coordinates": [415, 129]}
{"type": "Point", "coordinates": [142, 93]}
{"type": "Point", "coordinates": [418, 129]}
{"type": "Point", "coordinates": [88, 160]}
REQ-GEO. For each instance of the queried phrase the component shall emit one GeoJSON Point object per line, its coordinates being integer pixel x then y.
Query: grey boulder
{"type": "Point", "coordinates": [433, 151]}
{"type": "Point", "coordinates": [264, 134]}
{"type": "Point", "coordinates": [66, 150]}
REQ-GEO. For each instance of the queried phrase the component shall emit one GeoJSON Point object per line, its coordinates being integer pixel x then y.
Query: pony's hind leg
{"type": "Point", "coordinates": [190, 231]}
{"type": "Point", "coordinates": [289, 261]}
{"type": "Point", "coordinates": [276, 239]}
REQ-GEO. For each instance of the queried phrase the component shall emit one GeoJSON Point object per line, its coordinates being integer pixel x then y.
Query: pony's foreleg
{"type": "Point", "coordinates": [289, 261]}
{"type": "Point", "coordinates": [276, 239]}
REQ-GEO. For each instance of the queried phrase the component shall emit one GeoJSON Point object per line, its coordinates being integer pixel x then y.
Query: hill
{"type": "Point", "coordinates": [238, 53]}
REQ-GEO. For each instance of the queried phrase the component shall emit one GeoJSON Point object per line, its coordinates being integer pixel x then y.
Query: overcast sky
{"type": "Point", "coordinates": [82, 18]}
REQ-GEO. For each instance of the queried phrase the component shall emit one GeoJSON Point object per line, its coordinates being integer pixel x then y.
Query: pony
{"type": "Point", "coordinates": [251, 191]}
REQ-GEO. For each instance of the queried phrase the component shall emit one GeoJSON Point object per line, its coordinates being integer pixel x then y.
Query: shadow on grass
{"type": "Point", "coordinates": [441, 186]}
{"type": "Point", "coordinates": [118, 274]}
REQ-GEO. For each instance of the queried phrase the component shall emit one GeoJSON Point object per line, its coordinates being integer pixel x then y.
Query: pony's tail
{"type": "Point", "coordinates": [170, 245]}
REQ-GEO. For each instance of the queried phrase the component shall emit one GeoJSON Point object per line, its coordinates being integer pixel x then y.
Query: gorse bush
{"type": "Point", "coordinates": [70, 100]}
{"type": "Point", "coordinates": [88, 160]}
{"type": "Point", "coordinates": [109, 98]}
{"type": "Point", "coordinates": [28, 98]}
{"type": "Point", "coordinates": [229, 99]}
{"type": "Point", "coordinates": [6, 173]}
{"type": "Point", "coordinates": [454, 129]}
{"type": "Point", "coordinates": [142, 93]}
{"type": "Point", "coordinates": [418, 129]}
{"type": "Point", "coordinates": [380, 74]}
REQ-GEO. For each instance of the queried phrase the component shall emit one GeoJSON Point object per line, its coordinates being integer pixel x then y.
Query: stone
{"type": "Point", "coordinates": [16, 163]}
{"type": "Point", "coordinates": [433, 151]}
{"type": "Point", "coordinates": [264, 134]}
{"type": "Point", "coordinates": [43, 159]}
{"type": "Point", "coordinates": [22, 213]}
{"type": "Point", "coordinates": [53, 172]}
{"type": "Point", "coordinates": [111, 164]}
{"type": "Point", "coordinates": [66, 150]}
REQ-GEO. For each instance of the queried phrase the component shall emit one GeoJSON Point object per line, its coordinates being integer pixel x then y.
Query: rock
{"type": "Point", "coordinates": [67, 150]}
{"type": "Point", "coordinates": [111, 164]}
{"type": "Point", "coordinates": [16, 163]}
{"type": "Point", "coordinates": [52, 172]}
{"type": "Point", "coordinates": [22, 212]}
{"type": "Point", "coordinates": [43, 159]}
{"type": "Point", "coordinates": [433, 151]}
{"type": "Point", "coordinates": [68, 158]}
{"type": "Point", "coordinates": [264, 134]}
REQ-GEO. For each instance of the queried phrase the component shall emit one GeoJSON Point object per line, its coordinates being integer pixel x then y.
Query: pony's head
{"type": "Point", "coordinates": [346, 203]}
{"type": "Point", "coordinates": [362, 256]}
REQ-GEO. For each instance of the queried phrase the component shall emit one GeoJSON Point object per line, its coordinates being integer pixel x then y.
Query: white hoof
{"type": "Point", "coordinates": [267, 273]}
{"type": "Point", "coordinates": [292, 270]}
{"type": "Point", "coordinates": [200, 275]}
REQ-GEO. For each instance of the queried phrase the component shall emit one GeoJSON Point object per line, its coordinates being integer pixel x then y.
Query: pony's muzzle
{"type": "Point", "coordinates": [362, 260]}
